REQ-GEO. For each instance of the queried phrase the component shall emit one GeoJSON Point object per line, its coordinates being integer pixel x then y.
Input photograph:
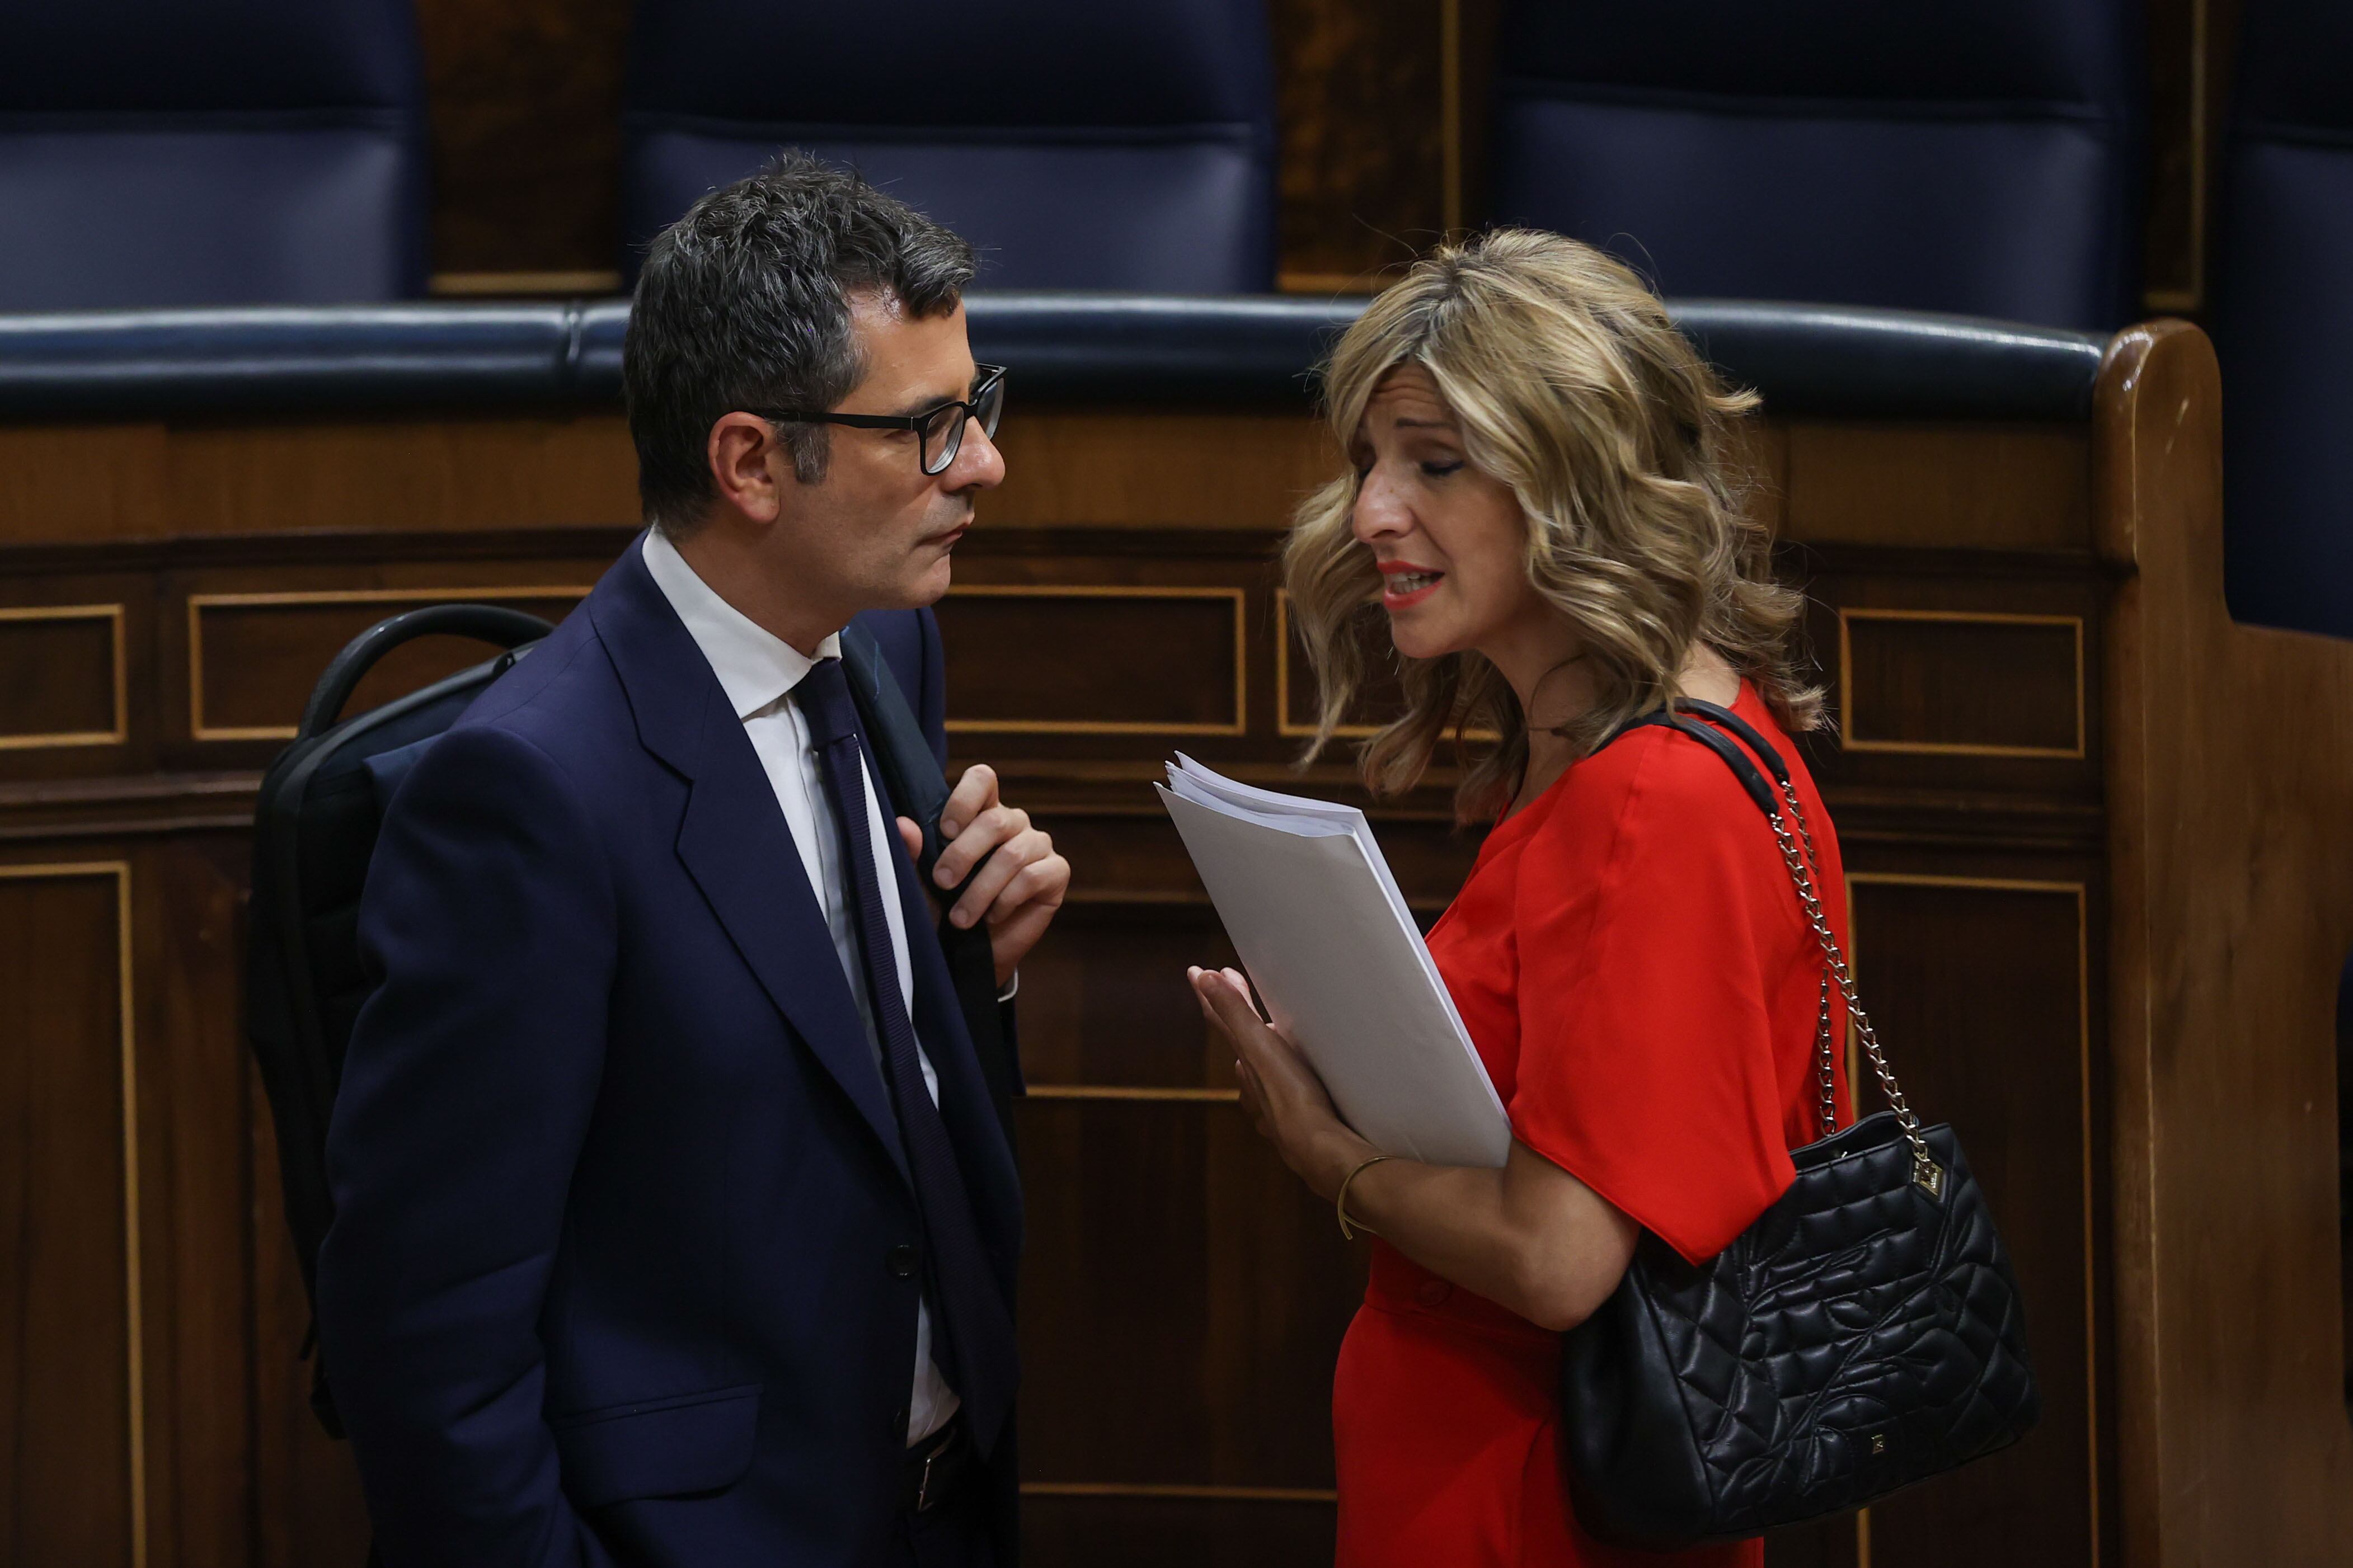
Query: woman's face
{"type": "Point", "coordinates": [1450, 540]}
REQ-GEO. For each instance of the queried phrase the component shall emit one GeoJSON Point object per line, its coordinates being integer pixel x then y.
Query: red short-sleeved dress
{"type": "Point", "coordinates": [1631, 962]}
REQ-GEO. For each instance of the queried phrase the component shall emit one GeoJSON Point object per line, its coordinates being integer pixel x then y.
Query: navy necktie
{"type": "Point", "coordinates": [979, 1325]}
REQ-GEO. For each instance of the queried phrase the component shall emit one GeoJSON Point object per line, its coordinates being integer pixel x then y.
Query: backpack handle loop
{"type": "Point", "coordinates": [491, 624]}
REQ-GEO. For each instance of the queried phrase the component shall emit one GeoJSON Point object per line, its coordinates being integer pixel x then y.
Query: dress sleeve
{"type": "Point", "coordinates": [1647, 1065]}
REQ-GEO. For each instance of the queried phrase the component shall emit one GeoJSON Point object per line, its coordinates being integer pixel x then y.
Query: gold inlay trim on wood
{"type": "Point", "coordinates": [134, 1340]}
{"type": "Point", "coordinates": [1177, 1492]}
{"type": "Point", "coordinates": [199, 603]}
{"type": "Point", "coordinates": [1240, 724]}
{"type": "Point", "coordinates": [120, 733]}
{"type": "Point", "coordinates": [2077, 891]}
{"type": "Point", "coordinates": [1848, 727]}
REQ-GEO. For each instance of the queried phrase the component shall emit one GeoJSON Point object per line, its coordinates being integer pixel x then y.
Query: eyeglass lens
{"type": "Point", "coordinates": [943, 432]}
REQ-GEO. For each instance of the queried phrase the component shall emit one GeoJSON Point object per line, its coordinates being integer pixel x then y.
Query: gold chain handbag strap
{"type": "Point", "coordinates": [1802, 863]}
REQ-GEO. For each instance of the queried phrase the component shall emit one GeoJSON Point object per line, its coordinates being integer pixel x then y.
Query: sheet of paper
{"type": "Point", "coordinates": [1331, 949]}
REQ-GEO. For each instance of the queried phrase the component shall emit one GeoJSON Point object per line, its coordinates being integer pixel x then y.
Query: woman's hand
{"type": "Point", "coordinates": [1282, 1093]}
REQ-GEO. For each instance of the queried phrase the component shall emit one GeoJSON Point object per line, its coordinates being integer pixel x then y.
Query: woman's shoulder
{"type": "Point", "coordinates": [1648, 783]}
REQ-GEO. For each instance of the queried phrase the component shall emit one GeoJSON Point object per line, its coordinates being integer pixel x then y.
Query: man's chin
{"type": "Point", "coordinates": [924, 584]}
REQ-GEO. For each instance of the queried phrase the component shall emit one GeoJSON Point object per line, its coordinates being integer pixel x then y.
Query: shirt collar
{"type": "Point", "coordinates": [756, 668]}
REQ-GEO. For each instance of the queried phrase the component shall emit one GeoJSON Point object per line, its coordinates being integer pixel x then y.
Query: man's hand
{"type": "Point", "coordinates": [1023, 883]}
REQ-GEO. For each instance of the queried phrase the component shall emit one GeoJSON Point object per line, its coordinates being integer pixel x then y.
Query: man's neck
{"type": "Point", "coordinates": [739, 576]}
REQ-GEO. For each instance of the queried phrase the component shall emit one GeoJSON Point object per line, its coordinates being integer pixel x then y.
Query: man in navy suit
{"type": "Point", "coordinates": [675, 1222]}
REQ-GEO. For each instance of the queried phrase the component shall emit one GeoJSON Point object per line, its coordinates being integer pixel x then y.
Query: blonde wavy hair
{"type": "Point", "coordinates": [1570, 384]}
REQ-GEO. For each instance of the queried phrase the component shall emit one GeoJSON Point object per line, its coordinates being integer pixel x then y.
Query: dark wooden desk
{"type": "Point", "coordinates": [2100, 857]}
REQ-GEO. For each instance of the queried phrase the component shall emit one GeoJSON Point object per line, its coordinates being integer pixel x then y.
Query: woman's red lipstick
{"type": "Point", "coordinates": [1405, 584]}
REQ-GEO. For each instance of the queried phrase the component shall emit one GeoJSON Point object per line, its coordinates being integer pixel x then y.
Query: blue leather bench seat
{"type": "Point", "coordinates": [2284, 319]}
{"type": "Point", "coordinates": [1079, 145]}
{"type": "Point", "coordinates": [1980, 158]}
{"type": "Point", "coordinates": [157, 153]}
{"type": "Point", "coordinates": [1137, 350]}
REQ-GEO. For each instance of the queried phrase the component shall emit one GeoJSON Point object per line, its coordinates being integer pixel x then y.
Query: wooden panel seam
{"type": "Point", "coordinates": [1847, 742]}
{"type": "Point", "coordinates": [120, 683]}
{"type": "Point", "coordinates": [134, 1347]}
{"type": "Point", "coordinates": [199, 603]}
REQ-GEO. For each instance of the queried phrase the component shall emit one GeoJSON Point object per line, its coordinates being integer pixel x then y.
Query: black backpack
{"type": "Point", "coordinates": [314, 830]}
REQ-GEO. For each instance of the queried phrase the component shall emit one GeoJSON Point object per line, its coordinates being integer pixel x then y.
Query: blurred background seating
{"type": "Point", "coordinates": [1080, 145]}
{"type": "Point", "coordinates": [2284, 318]}
{"type": "Point", "coordinates": [1981, 158]}
{"type": "Point", "coordinates": [163, 152]}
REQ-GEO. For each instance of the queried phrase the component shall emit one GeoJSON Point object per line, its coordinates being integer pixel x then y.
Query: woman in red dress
{"type": "Point", "coordinates": [1543, 507]}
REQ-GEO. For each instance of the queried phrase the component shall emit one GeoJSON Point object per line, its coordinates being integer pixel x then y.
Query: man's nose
{"type": "Point", "coordinates": [978, 464]}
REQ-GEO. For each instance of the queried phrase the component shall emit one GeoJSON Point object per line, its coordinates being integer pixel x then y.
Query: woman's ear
{"type": "Point", "coordinates": [743, 453]}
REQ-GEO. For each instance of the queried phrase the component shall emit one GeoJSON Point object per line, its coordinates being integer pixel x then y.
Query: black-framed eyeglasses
{"type": "Point", "coordinates": [939, 431]}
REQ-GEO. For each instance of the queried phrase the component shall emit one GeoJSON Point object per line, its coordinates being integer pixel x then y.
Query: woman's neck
{"type": "Point", "coordinates": [1555, 688]}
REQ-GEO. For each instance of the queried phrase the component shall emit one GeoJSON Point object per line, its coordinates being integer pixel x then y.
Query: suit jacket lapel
{"type": "Point", "coordinates": [733, 841]}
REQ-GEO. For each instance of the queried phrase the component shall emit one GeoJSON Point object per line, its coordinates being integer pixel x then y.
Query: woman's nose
{"type": "Point", "coordinates": [1380, 512]}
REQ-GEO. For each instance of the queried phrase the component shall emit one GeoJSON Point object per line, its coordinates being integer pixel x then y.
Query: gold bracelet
{"type": "Point", "coordinates": [1348, 1232]}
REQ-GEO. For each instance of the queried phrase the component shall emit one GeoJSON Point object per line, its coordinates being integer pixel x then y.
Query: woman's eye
{"type": "Point", "coordinates": [1440, 470]}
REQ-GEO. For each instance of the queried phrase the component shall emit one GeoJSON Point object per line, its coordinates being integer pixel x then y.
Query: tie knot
{"type": "Point", "coordinates": [824, 696]}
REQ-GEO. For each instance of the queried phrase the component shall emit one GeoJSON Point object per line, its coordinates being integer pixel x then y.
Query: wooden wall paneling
{"type": "Point", "coordinates": [1961, 682]}
{"type": "Point", "coordinates": [82, 481]}
{"type": "Point", "coordinates": [73, 1484]}
{"type": "Point", "coordinates": [254, 657]}
{"type": "Point", "coordinates": [64, 676]}
{"type": "Point", "coordinates": [1980, 986]}
{"type": "Point", "coordinates": [2230, 784]}
{"type": "Point", "coordinates": [1145, 1532]}
{"type": "Point", "coordinates": [403, 476]}
{"type": "Point", "coordinates": [1120, 468]}
{"type": "Point", "coordinates": [1957, 672]}
{"type": "Point", "coordinates": [76, 671]}
{"type": "Point", "coordinates": [524, 102]}
{"type": "Point", "coordinates": [308, 1509]}
{"type": "Point", "coordinates": [1077, 659]}
{"type": "Point", "coordinates": [1361, 100]}
{"type": "Point", "coordinates": [197, 1189]}
{"type": "Point", "coordinates": [1946, 486]}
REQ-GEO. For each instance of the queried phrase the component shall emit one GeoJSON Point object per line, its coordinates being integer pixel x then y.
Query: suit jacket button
{"type": "Point", "coordinates": [901, 1261]}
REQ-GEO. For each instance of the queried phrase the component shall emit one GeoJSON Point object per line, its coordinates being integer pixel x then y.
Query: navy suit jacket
{"type": "Point", "coordinates": [615, 1172]}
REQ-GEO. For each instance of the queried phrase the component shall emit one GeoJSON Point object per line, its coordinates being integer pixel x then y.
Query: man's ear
{"type": "Point", "coordinates": [746, 457]}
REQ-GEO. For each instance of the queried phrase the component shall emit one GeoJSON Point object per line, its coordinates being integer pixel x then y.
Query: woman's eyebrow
{"type": "Point", "coordinates": [1446, 424]}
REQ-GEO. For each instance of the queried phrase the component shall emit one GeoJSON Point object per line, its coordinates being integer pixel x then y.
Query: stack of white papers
{"type": "Point", "coordinates": [1308, 900]}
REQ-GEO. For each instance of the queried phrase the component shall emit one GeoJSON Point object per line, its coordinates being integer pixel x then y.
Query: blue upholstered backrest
{"type": "Point", "coordinates": [1081, 143]}
{"type": "Point", "coordinates": [1978, 157]}
{"type": "Point", "coordinates": [210, 151]}
{"type": "Point", "coordinates": [2284, 319]}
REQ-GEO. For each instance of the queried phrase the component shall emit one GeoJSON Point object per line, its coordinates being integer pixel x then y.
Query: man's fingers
{"type": "Point", "coordinates": [911, 837]}
{"type": "Point", "coordinates": [1006, 861]}
{"type": "Point", "coordinates": [994, 825]}
{"type": "Point", "coordinates": [975, 793]}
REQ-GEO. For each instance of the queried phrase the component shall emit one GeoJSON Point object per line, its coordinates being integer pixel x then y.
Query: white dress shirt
{"type": "Point", "coordinates": [758, 671]}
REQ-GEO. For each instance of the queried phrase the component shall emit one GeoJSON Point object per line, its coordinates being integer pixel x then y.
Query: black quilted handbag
{"type": "Point", "coordinates": [1863, 1334]}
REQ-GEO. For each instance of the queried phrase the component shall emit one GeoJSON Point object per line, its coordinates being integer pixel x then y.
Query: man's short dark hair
{"type": "Point", "coordinates": [743, 303]}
